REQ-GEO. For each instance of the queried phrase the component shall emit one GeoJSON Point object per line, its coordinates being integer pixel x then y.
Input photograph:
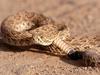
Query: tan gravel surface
{"type": "Point", "coordinates": [83, 18]}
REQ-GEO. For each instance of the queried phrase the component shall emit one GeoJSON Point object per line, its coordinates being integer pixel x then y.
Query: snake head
{"type": "Point", "coordinates": [45, 35]}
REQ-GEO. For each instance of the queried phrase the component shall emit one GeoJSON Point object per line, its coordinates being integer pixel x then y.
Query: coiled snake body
{"type": "Point", "coordinates": [28, 28]}
{"type": "Point", "coordinates": [16, 29]}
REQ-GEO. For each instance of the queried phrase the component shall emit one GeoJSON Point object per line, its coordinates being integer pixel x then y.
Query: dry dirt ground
{"type": "Point", "coordinates": [83, 18]}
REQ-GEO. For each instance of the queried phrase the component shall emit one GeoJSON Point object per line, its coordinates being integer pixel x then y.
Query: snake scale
{"type": "Point", "coordinates": [28, 28]}
{"type": "Point", "coordinates": [16, 28]}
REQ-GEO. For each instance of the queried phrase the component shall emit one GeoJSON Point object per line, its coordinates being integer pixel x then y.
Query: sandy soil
{"type": "Point", "coordinates": [83, 18]}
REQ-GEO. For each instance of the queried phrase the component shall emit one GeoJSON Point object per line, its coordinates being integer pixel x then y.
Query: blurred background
{"type": "Point", "coordinates": [82, 16]}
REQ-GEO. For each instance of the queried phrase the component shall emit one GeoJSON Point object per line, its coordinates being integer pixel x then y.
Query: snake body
{"type": "Point", "coordinates": [28, 28]}
{"type": "Point", "coordinates": [16, 28]}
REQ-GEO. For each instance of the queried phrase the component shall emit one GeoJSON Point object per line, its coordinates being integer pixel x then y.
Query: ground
{"type": "Point", "coordinates": [82, 17]}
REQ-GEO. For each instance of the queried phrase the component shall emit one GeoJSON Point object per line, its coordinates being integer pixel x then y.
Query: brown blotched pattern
{"type": "Point", "coordinates": [15, 28]}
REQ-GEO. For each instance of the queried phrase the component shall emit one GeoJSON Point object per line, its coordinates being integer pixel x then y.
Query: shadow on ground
{"type": "Point", "coordinates": [38, 49]}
